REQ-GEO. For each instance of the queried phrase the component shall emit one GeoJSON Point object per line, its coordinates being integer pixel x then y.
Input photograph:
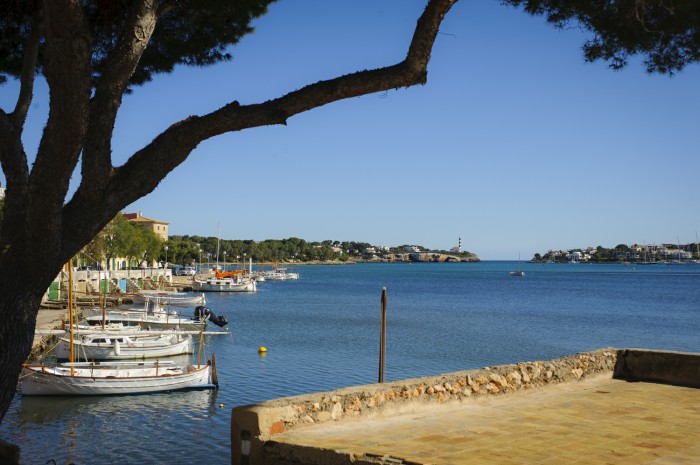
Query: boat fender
{"type": "Point", "coordinates": [117, 348]}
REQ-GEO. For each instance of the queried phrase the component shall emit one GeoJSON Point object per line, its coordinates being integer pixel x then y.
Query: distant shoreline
{"type": "Point", "coordinates": [611, 262]}
{"type": "Point", "coordinates": [422, 257]}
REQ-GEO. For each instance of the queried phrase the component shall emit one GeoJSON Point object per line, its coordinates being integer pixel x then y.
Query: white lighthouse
{"type": "Point", "coordinates": [457, 249]}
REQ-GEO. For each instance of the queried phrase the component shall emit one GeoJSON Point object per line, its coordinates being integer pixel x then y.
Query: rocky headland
{"type": "Point", "coordinates": [433, 257]}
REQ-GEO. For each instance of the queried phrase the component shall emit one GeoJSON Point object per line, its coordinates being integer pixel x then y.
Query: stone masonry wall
{"type": "Point", "coordinates": [261, 422]}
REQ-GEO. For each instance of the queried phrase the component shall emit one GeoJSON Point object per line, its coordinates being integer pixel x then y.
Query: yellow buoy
{"type": "Point", "coordinates": [221, 405]}
{"type": "Point", "coordinates": [262, 349]}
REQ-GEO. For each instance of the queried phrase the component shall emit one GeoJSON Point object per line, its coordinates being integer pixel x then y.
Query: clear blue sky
{"type": "Point", "coordinates": [515, 144]}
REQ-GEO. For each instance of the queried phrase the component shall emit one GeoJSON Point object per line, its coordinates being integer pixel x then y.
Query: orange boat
{"type": "Point", "coordinates": [228, 274]}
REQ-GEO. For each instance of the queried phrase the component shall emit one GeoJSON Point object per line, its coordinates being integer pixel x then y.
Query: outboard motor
{"type": "Point", "coordinates": [202, 312]}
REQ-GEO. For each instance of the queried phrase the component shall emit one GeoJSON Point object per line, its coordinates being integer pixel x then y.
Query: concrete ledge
{"type": "Point", "coordinates": [253, 425]}
{"type": "Point", "coordinates": [658, 366]}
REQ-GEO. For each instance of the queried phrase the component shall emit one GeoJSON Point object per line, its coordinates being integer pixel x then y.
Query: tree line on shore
{"type": "Point", "coordinates": [141, 247]}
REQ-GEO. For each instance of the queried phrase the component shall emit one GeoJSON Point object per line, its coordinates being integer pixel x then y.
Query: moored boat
{"type": "Point", "coordinates": [115, 378]}
{"type": "Point", "coordinates": [155, 316]}
{"type": "Point", "coordinates": [172, 299]}
{"type": "Point", "coordinates": [280, 274]}
{"type": "Point", "coordinates": [228, 284]}
{"type": "Point", "coordinates": [119, 345]}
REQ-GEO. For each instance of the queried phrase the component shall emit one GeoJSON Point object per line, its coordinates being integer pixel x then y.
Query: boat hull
{"type": "Point", "coordinates": [172, 300]}
{"type": "Point", "coordinates": [146, 321]}
{"type": "Point", "coordinates": [155, 348]}
{"type": "Point", "coordinates": [57, 381]}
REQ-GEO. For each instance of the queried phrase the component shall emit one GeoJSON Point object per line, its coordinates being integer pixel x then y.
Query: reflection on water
{"type": "Point", "coordinates": [49, 410]}
{"type": "Point", "coordinates": [128, 429]}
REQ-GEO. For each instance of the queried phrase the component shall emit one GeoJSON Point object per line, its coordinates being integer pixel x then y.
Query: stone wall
{"type": "Point", "coordinates": [254, 426]}
{"type": "Point", "coordinates": [658, 366]}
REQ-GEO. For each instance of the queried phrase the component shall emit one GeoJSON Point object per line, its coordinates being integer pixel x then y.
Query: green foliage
{"type": "Point", "coordinates": [274, 250]}
{"type": "Point", "coordinates": [122, 238]}
{"type": "Point", "coordinates": [116, 237]}
{"type": "Point", "coordinates": [189, 32]}
{"type": "Point", "coordinates": [270, 250]}
{"type": "Point", "coordinates": [665, 32]}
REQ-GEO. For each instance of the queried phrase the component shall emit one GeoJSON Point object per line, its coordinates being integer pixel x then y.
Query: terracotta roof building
{"type": "Point", "coordinates": [157, 226]}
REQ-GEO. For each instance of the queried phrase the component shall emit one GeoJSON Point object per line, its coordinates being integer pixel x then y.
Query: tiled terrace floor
{"type": "Point", "coordinates": [594, 422]}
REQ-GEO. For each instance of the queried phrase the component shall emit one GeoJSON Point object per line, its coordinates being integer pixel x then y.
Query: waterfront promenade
{"type": "Point", "coordinates": [575, 410]}
{"type": "Point", "coordinates": [593, 422]}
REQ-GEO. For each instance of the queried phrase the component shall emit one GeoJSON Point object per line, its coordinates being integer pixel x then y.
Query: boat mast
{"type": "Point", "coordinates": [70, 314]}
{"type": "Point", "coordinates": [103, 296]}
{"type": "Point", "coordinates": [218, 239]}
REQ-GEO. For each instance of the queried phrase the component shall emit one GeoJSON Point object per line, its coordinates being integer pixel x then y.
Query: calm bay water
{"type": "Point", "coordinates": [322, 333]}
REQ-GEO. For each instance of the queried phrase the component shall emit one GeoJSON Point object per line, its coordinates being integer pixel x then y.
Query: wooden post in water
{"type": "Point", "coordinates": [382, 339]}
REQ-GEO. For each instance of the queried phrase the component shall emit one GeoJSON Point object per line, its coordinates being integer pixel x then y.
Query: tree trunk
{"type": "Point", "coordinates": [20, 296]}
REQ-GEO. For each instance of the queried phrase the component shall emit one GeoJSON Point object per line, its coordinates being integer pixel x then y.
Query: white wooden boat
{"type": "Point", "coordinates": [171, 299]}
{"type": "Point", "coordinates": [144, 320]}
{"type": "Point", "coordinates": [115, 378]}
{"type": "Point", "coordinates": [117, 346]}
{"type": "Point", "coordinates": [154, 316]}
{"type": "Point", "coordinates": [280, 274]}
{"type": "Point", "coordinates": [213, 284]}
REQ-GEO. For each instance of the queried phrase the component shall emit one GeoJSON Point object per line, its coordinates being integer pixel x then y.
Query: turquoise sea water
{"type": "Point", "coordinates": [322, 332]}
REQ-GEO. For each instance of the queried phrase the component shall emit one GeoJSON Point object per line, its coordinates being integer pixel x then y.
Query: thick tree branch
{"type": "Point", "coordinates": [12, 157]}
{"type": "Point", "coordinates": [113, 82]}
{"type": "Point", "coordinates": [14, 166]}
{"type": "Point", "coordinates": [144, 171]}
{"type": "Point", "coordinates": [31, 52]}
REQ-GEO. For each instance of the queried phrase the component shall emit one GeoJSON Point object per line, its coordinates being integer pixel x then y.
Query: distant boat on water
{"type": "Point", "coordinates": [280, 274]}
{"type": "Point", "coordinates": [519, 272]}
